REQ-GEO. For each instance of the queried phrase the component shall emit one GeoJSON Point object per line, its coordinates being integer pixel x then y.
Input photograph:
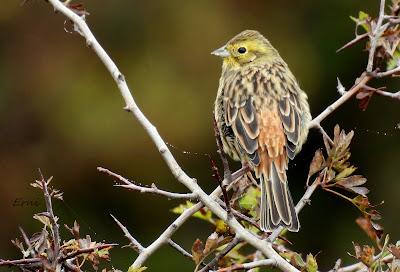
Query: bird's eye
{"type": "Point", "coordinates": [242, 50]}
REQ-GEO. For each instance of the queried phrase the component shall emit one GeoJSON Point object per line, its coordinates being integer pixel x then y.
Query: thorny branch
{"type": "Point", "coordinates": [265, 247]}
{"type": "Point", "coordinates": [139, 248]}
{"type": "Point", "coordinates": [142, 189]}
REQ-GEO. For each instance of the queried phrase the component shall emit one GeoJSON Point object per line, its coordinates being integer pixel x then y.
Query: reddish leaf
{"type": "Point", "coordinates": [197, 251]}
{"type": "Point", "coordinates": [372, 229]}
{"type": "Point", "coordinates": [395, 250]}
{"type": "Point", "coordinates": [211, 243]}
{"type": "Point", "coordinates": [352, 181]}
{"type": "Point", "coordinates": [364, 97]}
{"type": "Point", "coordinates": [317, 164]}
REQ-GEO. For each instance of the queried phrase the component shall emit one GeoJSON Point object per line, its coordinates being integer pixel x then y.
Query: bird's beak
{"type": "Point", "coordinates": [221, 52]}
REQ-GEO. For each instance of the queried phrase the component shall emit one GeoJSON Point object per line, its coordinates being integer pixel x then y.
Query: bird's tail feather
{"type": "Point", "coordinates": [277, 208]}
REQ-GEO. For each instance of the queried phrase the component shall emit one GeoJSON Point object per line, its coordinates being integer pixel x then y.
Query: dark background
{"type": "Point", "coordinates": [61, 111]}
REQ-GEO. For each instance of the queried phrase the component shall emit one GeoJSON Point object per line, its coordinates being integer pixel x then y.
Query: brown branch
{"type": "Point", "coordinates": [20, 261]}
{"type": "Point", "coordinates": [227, 171]}
{"type": "Point", "coordinates": [241, 216]}
{"type": "Point", "coordinates": [85, 251]}
{"type": "Point", "coordinates": [53, 220]}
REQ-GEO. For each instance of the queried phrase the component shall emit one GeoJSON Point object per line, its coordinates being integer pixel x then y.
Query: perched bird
{"type": "Point", "coordinates": [262, 116]}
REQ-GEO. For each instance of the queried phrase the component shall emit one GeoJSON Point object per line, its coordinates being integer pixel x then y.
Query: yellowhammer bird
{"type": "Point", "coordinates": [262, 117]}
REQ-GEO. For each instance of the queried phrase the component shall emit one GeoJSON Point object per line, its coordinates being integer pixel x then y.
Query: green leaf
{"type": "Point", "coordinates": [221, 226]}
{"type": "Point", "coordinates": [197, 251]}
{"type": "Point", "coordinates": [311, 263]}
{"type": "Point", "coordinates": [346, 172]}
{"type": "Point", "coordinates": [317, 164]}
{"type": "Point", "coordinates": [362, 15]}
{"type": "Point", "coordinates": [362, 20]}
{"type": "Point", "coordinates": [294, 258]}
{"type": "Point", "coordinates": [394, 61]}
{"type": "Point", "coordinates": [204, 213]}
{"type": "Point", "coordinates": [250, 200]}
{"type": "Point", "coordinates": [352, 181]}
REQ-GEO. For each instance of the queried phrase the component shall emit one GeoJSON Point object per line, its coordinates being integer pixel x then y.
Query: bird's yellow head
{"type": "Point", "coordinates": [247, 47]}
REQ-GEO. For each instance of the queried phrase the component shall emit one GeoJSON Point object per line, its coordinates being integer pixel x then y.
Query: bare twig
{"type": "Point", "coordinates": [180, 249]}
{"type": "Point", "coordinates": [27, 242]}
{"type": "Point", "coordinates": [245, 266]}
{"type": "Point", "coordinates": [133, 242]}
{"type": "Point", "coordinates": [391, 72]}
{"type": "Point", "coordinates": [53, 219]}
{"type": "Point", "coordinates": [380, 92]}
{"type": "Point", "coordinates": [241, 216]}
{"type": "Point", "coordinates": [359, 84]}
{"type": "Point", "coordinates": [357, 39]}
{"type": "Point", "coordinates": [376, 33]}
{"type": "Point", "coordinates": [85, 251]}
{"type": "Point", "coordinates": [139, 248]}
{"type": "Point", "coordinates": [227, 171]}
{"type": "Point", "coordinates": [324, 134]}
{"type": "Point", "coordinates": [21, 261]}
{"type": "Point", "coordinates": [395, 95]}
{"type": "Point", "coordinates": [142, 189]}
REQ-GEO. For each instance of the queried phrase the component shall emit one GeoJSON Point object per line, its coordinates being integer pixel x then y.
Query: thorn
{"type": "Point", "coordinates": [341, 90]}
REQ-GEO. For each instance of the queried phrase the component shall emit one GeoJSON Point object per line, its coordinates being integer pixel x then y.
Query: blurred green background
{"type": "Point", "coordinates": [61, 111]}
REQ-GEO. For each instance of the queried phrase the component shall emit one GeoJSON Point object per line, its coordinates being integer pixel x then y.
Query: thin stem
{"type": "Point", "coordinates": [180, 249]}
{"type": "Point", "coordinates": [395, 96]}
{"type": "Point", "coordinates": [21, 261]}
{"type": "Point", "coordinates": [53, 220]}
{"type": "Point", "coordinates": [86, 250]}
{"type": "Point", "coordinates": [338, 194]}
{"type": "Point", "coordinates": [245, 266]}
{"type": "Point", "coordinates": [227, 171]}
{"type": "Point", "coordinates": [375, 36]}
{"type": "Point", "coordinates": [142, 189]}
{"type": "Point", "coordinates": [133, 242]}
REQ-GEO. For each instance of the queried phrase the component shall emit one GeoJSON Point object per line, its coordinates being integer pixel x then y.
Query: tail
{"type": "Point", "coordinates": [277, 207]}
